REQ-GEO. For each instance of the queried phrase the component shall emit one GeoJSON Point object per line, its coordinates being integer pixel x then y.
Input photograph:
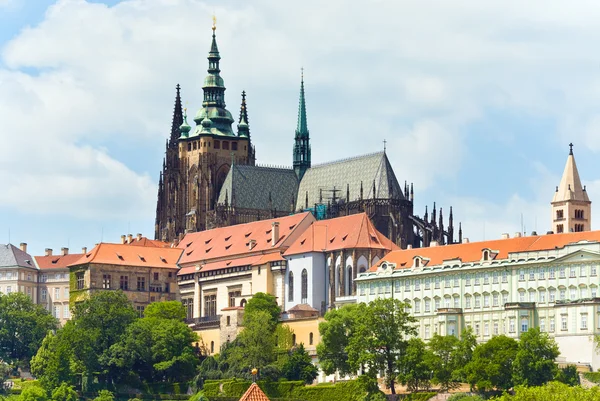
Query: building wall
{"type": "Point", "coordinates": [314, 263]}
{"type": "Point", "coordinates": [210, 340]}
{"type": "Point", "coordinates": [539, 289]}
{"type": "Point", "coordinates": [19, 279]}
{"type": "Point", "coordinates": [54, 293]}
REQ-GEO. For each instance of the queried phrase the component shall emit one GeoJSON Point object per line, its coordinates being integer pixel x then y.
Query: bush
{"type": "Point", "coordinates": [419, 396]}
{"type": "Point", "coordinates": [33, 393]}
{"type": "Point", "coordinates": [554, 391]}
{"type": "Point", "coordinates": [64, 392]}
{"type": "Point", "coordinates": [199, 396]}
{"type": "Point", "coordinates": [594, 377]}
{"type": "Point", "coordinates": [568, 375]}
{"type": "Point", "coordinates": [464, 397]}
{"type": "Point", "coordinates": [104, 395]}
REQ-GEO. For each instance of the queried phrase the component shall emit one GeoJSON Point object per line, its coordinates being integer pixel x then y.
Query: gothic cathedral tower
{"type": "Point", "coordinates": [571, 206]}
{"type": "Point", "coordinates": [197, 160]}
{"type": "Point", "coordinates": [301, 139]}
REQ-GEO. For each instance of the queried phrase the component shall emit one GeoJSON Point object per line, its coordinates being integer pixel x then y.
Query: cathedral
{"type": "Point", "coordinates": [210, 178]}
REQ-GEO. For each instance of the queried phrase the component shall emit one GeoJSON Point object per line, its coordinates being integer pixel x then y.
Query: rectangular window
{"type": "Point", "coordinates": [495, 328]}
{"type": "Point", "coordinates": [486, 278]}
{"type": "Point", "coordinates": [225, 145]}
{"type": "Point", "coordinates": [141, 283]}
{"type": "Point", "coordinates": [427, 305]}
{"type": "Point", "coordinates": [8, 289]}
{"type": "Point", "coordinates": [447, 302]}
{"type": "Point", "coordinates": [522, 296]}
{"type": "Point", "coordinates": [495, 278]}
{"type": "Point", "coordinates": [44, 294]}
{"type": "Point", "coordinates": [552, 274]}
{"type": "Point", "coordinates": [437, 303]}
{"type": "Point", "coordinates": [417, 284]}
{"type": "Point", "coordinates": [456, 280]}
{"type": "Point", "coordinates": [531, 296]}
{"type": "Point", "coordinates": [106, 281]}
{"type": "Point", "coordinates": [582, 271]}
{"type": "Point", "coordinates": [397, 286]}
{"type": "Point", "coordinates": [486, 301]}
{"type": "Point", "coordinates": [124, 283]}
{"type": "Point", "coordinates": [562, 273]}
{"type": "Point", "coordinates": [573, 272]}
{"type": "Point", "coordinates": [521, 275]}
{"type": "Point", "coordinates": [563, 294]}
{"type": "Point", "coordinates": [456, 302]}
{"type": "Point", "coordinates": [437, 282]}
{"type": "Point", "coordinates": [505, 276]}
{"type": "Point", "coordinates": [66, 312]}
{"type": "Point", "coordinates": [468, 280]}
{"type": "Point", "coordinates": [234, 145]}
{"type": "Point", "coordinates": [551, 295]}
{"type": "Point", "coordinates": [542, 274]}
{"type": "Point", "coordinates": [476, 329]}
{"type": "Point", "coordinates": [573, 294]}
{"type": "Point", "coordinates": [388, 290]}
{"type": "Point", "coordinates": [140, 310]}
{"type": "Point", "coordinates": [478, 301]}
{"type": "Point", "coordinates": [476, 278]}
{"type": "Point", "coordinates": [504, 298]}
{"type": "Point", "coordinates": [56, 313]}
{"type": "Point", "coordinates": [563, 322]}
{"type": "Point", "coordinates": [372, 289]}
{"type": "Point", "coordinates": [217, 145]}
{"type": "Point", "coordinates": [531, 274]}
{"type": "Point", "coordinates": [584, 292]}
{"type": "Point", "coordinates": [79, 279]}
{"type": "Point", "coordinates": [210, 305]}
{"type": "Point", "coordinates": [524, 324]}
{"type": "Point", "coordinates": [467, 302]}
{"type": "Point", "coordinates": [155, 276]}
{"type": "Point", "coordinates": [593, 270]}
{"type": "Point", "coordinates": [593, 291]}
{"type": "Point", "coordinates": [56, 294]}
{"type": "Point", "coordinates": [232, 296]}
{"type": "Point", "coordinates": [446, 282]}
{"type": "Point", "coordinates": [407, 284]}
{"type": "Point", "coordinates": [427, 332]}
{"type": "Point", "coordinates": [361, 289]}
{"type": "Point", "coordinates": [552, 325]}
{"type": "Point", "coordinates": [417, 306]}
{"type": "Point", "coordinates": [66, 292]}
{"type": "Point", "coordinates": [584, 321]}
{"type": "Point", "coordinates": [495, 300]}
{"type": "Point", "coordinates": [486, 328]}
{"type": "Point", "coordinates": [542, 324]}
{"type": "Point", "coordinates": [542, 296]}
{"type": "Point", "coordinates": [43, 279]}
{"type": "Point", "coordinates": [511, 325]}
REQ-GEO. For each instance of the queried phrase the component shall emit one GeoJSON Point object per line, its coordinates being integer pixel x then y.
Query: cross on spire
{"type": "Point", "coordinates": [571, 148]}
{"type": "Point", "coordinates": [384, 145]}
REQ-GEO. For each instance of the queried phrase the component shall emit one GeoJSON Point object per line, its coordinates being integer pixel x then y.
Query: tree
{"type": "Point", "coordinates": [415, 372]}
{"type": "Point", "coordinates": [568, 375]}
{"type": "Point", "coordinates": [173, 310]}
{"type": "Point", "coordinates": [262, 302]}
{"type": "Point", "coordinates": [52, 363]}
{"type": "Point", "coordinates": [64, 392]}
{"type": "Point", "coordinates": [4, 371]}
{"type": "Point", "coordinates": [338, 327]}
{"type": "Point", "coordinates": [534, 363]}
{"type": "Point", "coordinates": [23, 326]}
{"type": "Point", "coordinates": [33, 393]}
{"type": "Point", "coordinates": [464, 354]}
{"type": "Point", "coordinates": [257, 340]}
{"type": "Point", "coordinates": [104, 395]}
{"type": "Point", "coordinates": [299, 366]}
{"type": "Point", "coordinates": [443, 361]}
{"type": "Point", "coordinates": [492, 364]}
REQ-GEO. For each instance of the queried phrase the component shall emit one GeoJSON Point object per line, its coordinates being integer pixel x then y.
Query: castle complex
{"type": "Point", "coordinates": [210, 179]}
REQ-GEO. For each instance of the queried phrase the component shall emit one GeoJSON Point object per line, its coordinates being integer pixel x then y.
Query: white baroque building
{"type": "Point", "coordinates": [497, 287]}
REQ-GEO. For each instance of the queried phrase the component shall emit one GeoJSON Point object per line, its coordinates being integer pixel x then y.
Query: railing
{"type": "Point", "coordinates": [205, 321]}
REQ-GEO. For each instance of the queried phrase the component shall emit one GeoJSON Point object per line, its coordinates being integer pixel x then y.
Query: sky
{"type": "Point", "coordinates": [477, 101]}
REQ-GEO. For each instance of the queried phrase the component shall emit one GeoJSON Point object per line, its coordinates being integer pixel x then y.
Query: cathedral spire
{"type": "Point", "coordinates": [177, 119]}
{"type": "Point", "coordinates": [243, 128]}
{"type": "Point", "coordinates": [302, 140]}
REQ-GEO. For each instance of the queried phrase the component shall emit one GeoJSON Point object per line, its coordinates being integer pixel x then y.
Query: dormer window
{"type": "Point", "coordinates": [486, 255]}
{"type": "Point", "coordinates": [417, 262]}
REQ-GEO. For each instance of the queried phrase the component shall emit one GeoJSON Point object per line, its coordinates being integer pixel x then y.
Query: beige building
{"type": "Point", "coordinates": [145, 274]}
{"type": "Point", "coordinates": [571, 206]}
{"type": "Point", "coordinates": [18, 272]}
{"type": "Point", "coordinates": [53, 283]}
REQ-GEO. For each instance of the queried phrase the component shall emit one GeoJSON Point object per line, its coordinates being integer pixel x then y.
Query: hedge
{"type": "Point", "coordinates": [417, 396]}
{"type": "Point", "coordinates": [594, 377]}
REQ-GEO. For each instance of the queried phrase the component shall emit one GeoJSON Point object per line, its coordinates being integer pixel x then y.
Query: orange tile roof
{"type": "Point", "coordinates": [348, 232]}
{"type": "Point", "coordinates": [125, 255]}
{"type": "Point", "coordinates": [254, 393]}
{"type": "Point", "coordinates": [473, 251]}
{"type": "Point", "coordinates": [221, 264]}
{"type": "Point", "coordinates": [145, 241]}
{"type": "Point", "coordinates": [56, 261]}
{"type": "Point", "coordinates": [230, 241]}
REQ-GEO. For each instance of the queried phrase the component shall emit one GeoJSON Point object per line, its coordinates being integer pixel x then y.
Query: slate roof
{"type": "Point", "coordinates": [249, 187]}
{"type": "Point", "coordinates": [339, 174]}
{"type": "Point", "coordinates": [473, 251]}
{"type": "Point", "coordinates": [11, 256]}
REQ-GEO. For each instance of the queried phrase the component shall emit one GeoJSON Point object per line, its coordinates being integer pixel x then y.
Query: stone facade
{"type": "Point", "coordinates": [18, 272]}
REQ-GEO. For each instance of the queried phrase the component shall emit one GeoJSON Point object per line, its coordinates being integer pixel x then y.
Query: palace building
{"type": "Point", "coordinates": [210, 178]}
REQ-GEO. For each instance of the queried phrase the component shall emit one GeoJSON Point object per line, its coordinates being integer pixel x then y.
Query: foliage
{"type": "Point", "coordinates": [4, 371]}
{"type": "Point", "coordinates": [64, 392]}
{"type": "Point", "coordinates": [416, 373]}
{"type": "Point", "coordinates": [464, 397]}
{"type": "Point", "coordinates": [442, 359]}
{"type": "Point", "coordinates": [337, 329]}
{"type": "Point", "coordinates": [299, 366]}
{"type": "Point", "coordinates": [594, 377]}
{"type": "Point", "coordinates": [173, 310]}
{"type": "Point", "coordinates": [33, 393]}
{"type": "Point", "coordinates": [199, 396]}
{"type": "Point", "coordinates": [156, 348]}
{"type": "Point", "coordinates": [464, 353]}
{"type": "Point", "coordinates": [419, 396]}
{"type": "Point", "coordinates": [568, 375]}
{"type": "Point", "coordinates": [104, 395]}
{"type": "Point", "coordinates": [553, 391]}
{"type": "Point", "coordinates": [23, 327]}
{"type": "Point", "coordinates": [534, 363]}
{"type": "Point", "coordinates": [257, 340]}
{"type": "Point", "coordinates": [491, 365]}
{"type": "Point", "coordinates": [262, 302]}
{"type": "Point", "coordinates": [51, 365]}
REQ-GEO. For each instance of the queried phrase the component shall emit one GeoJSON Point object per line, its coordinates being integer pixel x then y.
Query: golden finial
{"type": "Point", "coordinates": [214, 27]}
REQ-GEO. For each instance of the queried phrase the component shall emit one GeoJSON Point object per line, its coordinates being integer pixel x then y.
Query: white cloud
{"type": "Point", "coordinates": [411, 73]}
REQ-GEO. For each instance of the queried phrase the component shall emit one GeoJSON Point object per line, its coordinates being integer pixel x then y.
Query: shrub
{"type": "Point", "coordinates": [104, 395]}
{"type": "Point", "coordinates": [594, 377]}
{"type": "Point", "coordinates": [33, 393]}
{"type": "Point", "coordinates": [464, 397]}
{"type": "Point", "coordinates": [64, 392]}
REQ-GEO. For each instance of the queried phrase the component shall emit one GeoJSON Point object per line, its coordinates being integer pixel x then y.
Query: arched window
{"type": "Point", "coordinates": [350, 283]}
{"type": "Point", "coordinates": [304, 286]}
{"type": "Point", "coordinates": [310, 338]}
{"type": "Point", "coordinates": [243, 303]}
{"type": "Point", "coordinates": [291, 287]}
{"type": "Point", "coordinates": [340, 282]}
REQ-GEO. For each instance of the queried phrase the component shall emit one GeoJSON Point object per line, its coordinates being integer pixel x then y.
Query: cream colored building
{"type": "Point", "coordinates": [571, 206]}
{"type": "Point", "coordinates": [18, 272]}
{"type": "Point", "coordinates": [53, 284]}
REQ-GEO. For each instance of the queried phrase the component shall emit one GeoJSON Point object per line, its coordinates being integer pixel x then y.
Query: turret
{"type": "Point", "coordinates": [301, 139]}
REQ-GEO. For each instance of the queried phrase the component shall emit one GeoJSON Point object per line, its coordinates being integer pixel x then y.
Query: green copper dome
{"type": "Point", "coordinates": [185, 128]}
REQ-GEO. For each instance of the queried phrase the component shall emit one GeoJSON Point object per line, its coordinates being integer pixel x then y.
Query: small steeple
{"type": "Point", "coordinates": [185, 128]}
{"type": "Point", "coordinates": [426, 215]}
{"type": "Point", "coordinates": [243, 128]}
{"type": "Point", "coordinates": [460, 232]}
{"type": "Point", "coordinates": [177, 119]}
{"type": "Point", "coordinates": [412, 192]}
{"type": "Point", "coordinates": [570, 188]}
{"type": "Point", "coordinates": [301, 139]}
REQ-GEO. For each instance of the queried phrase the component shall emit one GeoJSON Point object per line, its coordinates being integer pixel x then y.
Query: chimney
{"type": "Point", "coordinates": [549, 232]}
{"type": "Point", "coordinates": [84, 250]}
{"type": "Point", "coordinates": [123, 239]}
{"type": "Point", "coordinates": [139, 237]}
{"type": "Point", "coordinates": [465, 240]}
{"type": "Point", "coordinates": [48, 252]}
{"type": "Point", "coordinates": [409, 246]}
{"type": "Point", "coordinates": [274, 233]}
{"type": "Point", "coordinates": [23, 246]}
{"type": "Point", "coordinates": [533, 233]}
{"type": "Point", "coordinates": [433, 243]}
{"type": "Point", "coordinates": [505, 236]}
{"type": "Point", "coordinates": [251, 244]}
{"type": "Point", "coordinates": [64, 251]}
{"type": "Point", "coordinates": [129, 238]}
{"type": "Point", "coordinates": [518, 234]}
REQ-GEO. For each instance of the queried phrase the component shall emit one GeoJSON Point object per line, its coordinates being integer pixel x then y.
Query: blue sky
{"type": "Point", "coordinates": [477, 102]}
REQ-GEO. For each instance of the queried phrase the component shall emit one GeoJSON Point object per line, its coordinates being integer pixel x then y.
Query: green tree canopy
{"type": "Point", "coordinates": [534, 363]}
{"type": "Point", "coordinates": [257, 340]}
{"type": "Point", "coordinates": [492, 364]}
{"type": "Point", "coordinates": [173, 310]}
{"type": "Point", "coordinates": [442, 359]}
{"type": "Point", "coordinates": [64, 392]}
{"type": "Point", "coordinates": [262, 302]}
{"type": "Point", "coordinates": [299, 366]}
{"type": "Point", "coordinates": [416, 373]}
{"type": "Point", "coordinates": [33, 393]}
{"type": "Point", "coordinates": [23, 326]}
{"type": "Point", "coordinates": [51, 365]}
{"type": "Point", "coordinates": [336, 330]}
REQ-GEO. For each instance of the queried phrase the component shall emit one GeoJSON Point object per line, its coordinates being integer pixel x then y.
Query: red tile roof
{"type": "Point", "coordinates": [125, 255]}
{"type": "Point", "coordinates": [472, 252]}
{"type": "Point", "coordinates": [348, 232]}
{"type": "Point", "coordinates": [57, 261]}
{"type": "Point", "coordinates": [145, 241]}
{"type": "Point", "coordinates": [232, 241]}
{"type": "Point", "coordinates": [254, 393]}
{"type": "Point", "coordinates": [221, 264]}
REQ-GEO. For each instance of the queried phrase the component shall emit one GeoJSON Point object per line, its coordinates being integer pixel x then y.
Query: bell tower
{"type": "Point", "coordinates": [571, 206]}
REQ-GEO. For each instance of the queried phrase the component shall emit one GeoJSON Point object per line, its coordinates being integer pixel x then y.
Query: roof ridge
{"type": "Point", "coordinates": [347, 159]}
